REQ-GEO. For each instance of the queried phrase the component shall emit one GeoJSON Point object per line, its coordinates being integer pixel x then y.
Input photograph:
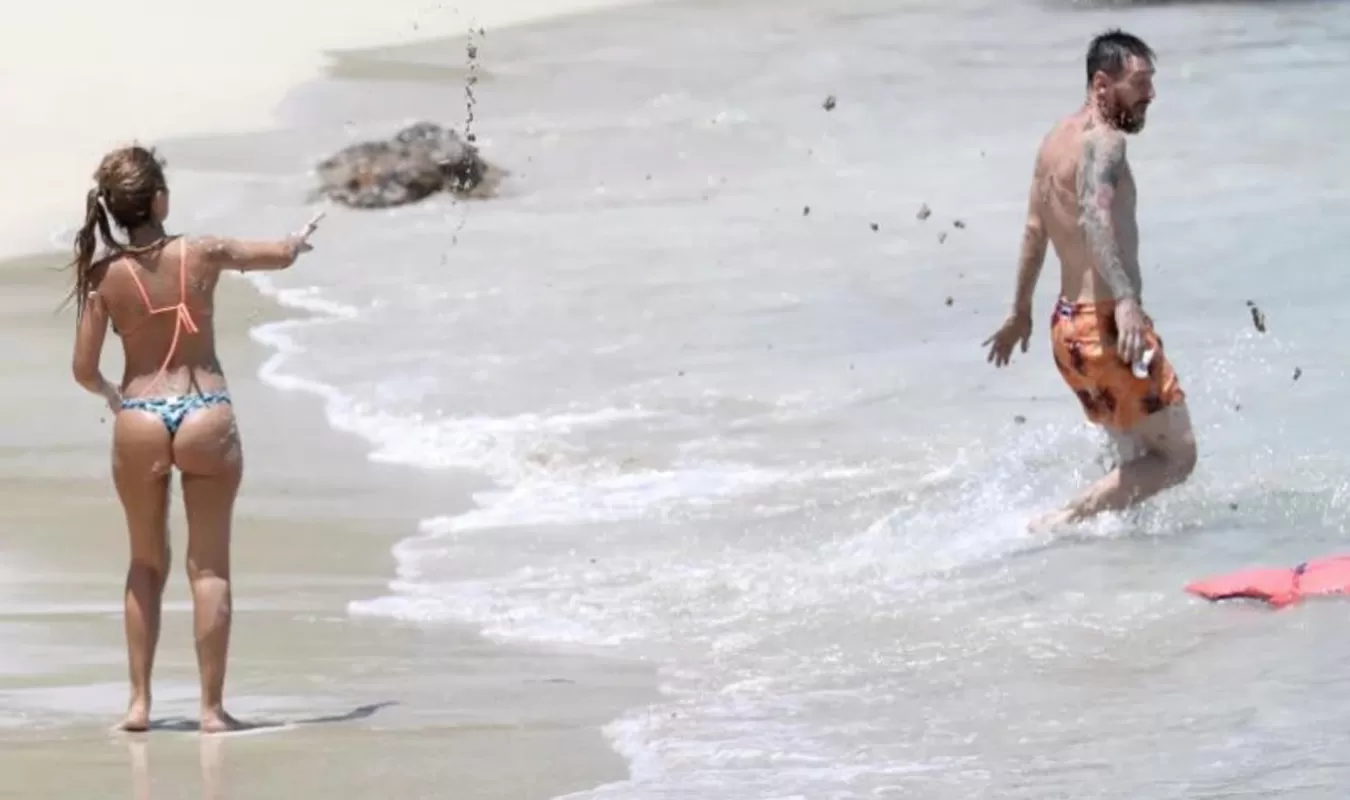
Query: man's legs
{"type": "Point", "coordinates": [1163, 456]}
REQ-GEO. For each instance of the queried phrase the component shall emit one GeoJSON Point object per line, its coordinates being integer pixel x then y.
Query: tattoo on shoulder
{"type": "Point", "coordinates": [1103, 162]}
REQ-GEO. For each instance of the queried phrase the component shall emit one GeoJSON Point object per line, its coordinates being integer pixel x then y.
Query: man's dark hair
{"type": "Point", "coordinates": [1109, 51]}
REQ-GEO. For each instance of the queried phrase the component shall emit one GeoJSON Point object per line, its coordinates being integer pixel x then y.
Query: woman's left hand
{"type": "Point", "coordinates": [113, 396]}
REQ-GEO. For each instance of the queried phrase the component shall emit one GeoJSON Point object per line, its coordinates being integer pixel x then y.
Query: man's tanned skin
{"type": "Point", "coordinates": [1082, 201]}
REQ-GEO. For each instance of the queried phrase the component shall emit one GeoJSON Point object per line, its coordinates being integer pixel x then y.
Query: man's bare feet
{"type": "Point", "coordinates": [218, 721]}
{"type": "Point", "coordinates": [137, 719]}
{"type": "Point", "coordinates": [1051, 522]}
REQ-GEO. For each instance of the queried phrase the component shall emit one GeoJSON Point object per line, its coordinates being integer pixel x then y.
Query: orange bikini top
{"type": "Point", "coordinates": [183, 320]}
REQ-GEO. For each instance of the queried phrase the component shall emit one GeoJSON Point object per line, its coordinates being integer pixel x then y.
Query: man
{"type": "Point", "coordinates": [1083, 201]}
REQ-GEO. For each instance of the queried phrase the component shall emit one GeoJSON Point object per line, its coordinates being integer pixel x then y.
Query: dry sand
{"type": "Point", "coordinates": [79, 77]}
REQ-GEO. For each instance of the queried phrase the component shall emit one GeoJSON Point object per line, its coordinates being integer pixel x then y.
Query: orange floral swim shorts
{"type": "Point", "coordinates": [1083, 339]}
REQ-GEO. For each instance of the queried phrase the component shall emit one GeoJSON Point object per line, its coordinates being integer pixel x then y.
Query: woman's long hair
{"type": "Point", "coordinates": [126, 184]}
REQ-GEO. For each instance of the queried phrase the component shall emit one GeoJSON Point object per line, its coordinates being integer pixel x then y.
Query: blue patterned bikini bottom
{"type": "Point", "coordinates": [173, 410]}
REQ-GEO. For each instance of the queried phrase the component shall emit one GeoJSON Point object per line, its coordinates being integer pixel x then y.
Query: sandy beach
{"type": "Point", "coordinates": [676, 468]}
{"type": "Point", "coordinates": [370, 709]}
{"type": "Point", "coordinates": [363, 708]}
{"type": "Point", "coordinates": [214, 68]}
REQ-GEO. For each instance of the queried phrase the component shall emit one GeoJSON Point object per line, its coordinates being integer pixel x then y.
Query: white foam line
{"type": "Point", "coordinates": [273, 335]}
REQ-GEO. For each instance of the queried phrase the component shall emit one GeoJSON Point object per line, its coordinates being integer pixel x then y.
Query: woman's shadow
{"type": "Point", "coordinates": [186, 725]}
{"type": "Point", "coordinates": [211, 750]}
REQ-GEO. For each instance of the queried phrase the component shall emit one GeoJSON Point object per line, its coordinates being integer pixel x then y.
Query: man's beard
{"type": "Point", "coordinates": [1126, 118]}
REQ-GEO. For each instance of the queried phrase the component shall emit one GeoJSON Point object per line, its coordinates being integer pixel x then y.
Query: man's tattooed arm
{"type": "Point", "coordinates": [1098, 176]}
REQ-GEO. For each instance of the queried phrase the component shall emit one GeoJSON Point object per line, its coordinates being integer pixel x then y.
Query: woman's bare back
{"type": "Point", "coordinates": [168, 343]}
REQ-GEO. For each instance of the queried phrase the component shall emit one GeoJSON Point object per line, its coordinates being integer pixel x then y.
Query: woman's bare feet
{"type": "Point", "coordinates": [137, 719]}
{"type": "Point", "coordinates": [218, 721]}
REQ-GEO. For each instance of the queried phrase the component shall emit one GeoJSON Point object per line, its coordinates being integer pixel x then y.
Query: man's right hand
{"type": "Point", "coordinates": [1129, 330]}
{"type": "Point", "coordinates": [1016, 329]}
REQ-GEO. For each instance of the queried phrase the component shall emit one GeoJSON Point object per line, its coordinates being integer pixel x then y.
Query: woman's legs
{"type": "Point", "coordinates": [142, 460]}
{"type": "Point", "coordinates": [208, 453]}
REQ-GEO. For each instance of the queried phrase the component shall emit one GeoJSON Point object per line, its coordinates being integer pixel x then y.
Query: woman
{"type": "Point", "coordinates": [172, 407]}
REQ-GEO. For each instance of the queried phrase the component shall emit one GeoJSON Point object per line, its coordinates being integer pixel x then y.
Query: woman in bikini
{"type": "Point", "coordinates": [172, 406]}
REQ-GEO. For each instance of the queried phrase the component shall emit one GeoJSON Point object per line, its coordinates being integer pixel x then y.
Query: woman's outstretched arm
{"type": "Point", "coordinates": [247, 256]}
{"type": "Point", "coordinates": [250, 256]}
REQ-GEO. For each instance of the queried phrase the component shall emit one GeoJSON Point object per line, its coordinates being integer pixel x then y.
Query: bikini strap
{"type": "Point", "coordinates": [182, 315]}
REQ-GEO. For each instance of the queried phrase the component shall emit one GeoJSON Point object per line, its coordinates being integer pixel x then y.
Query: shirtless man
{"type": "Point", "coordinates": [1083, 201]}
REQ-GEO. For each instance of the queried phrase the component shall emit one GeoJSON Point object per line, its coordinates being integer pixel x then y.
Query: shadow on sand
{"type": "Point", "coordinates": [185, 725]}
{"type": "Point", "coordinates": [212, 749]}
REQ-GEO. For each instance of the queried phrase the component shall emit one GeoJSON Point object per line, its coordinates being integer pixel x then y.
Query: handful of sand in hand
{"type": "Point", "coordinates": [312, 225]}
{"type": "Point", "coordinates": [301, 238]}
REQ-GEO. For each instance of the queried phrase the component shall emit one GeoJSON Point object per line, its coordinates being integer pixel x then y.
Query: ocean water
{"type": "Point", "coordinates": [730, 394]}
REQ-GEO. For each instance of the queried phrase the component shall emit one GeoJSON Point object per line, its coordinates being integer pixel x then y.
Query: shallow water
{"type": "Point", "coordinates": [761, 448]}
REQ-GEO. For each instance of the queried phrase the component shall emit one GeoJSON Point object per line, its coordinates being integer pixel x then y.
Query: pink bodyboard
{"type": "Point", "coordinates": [1279, 587]}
